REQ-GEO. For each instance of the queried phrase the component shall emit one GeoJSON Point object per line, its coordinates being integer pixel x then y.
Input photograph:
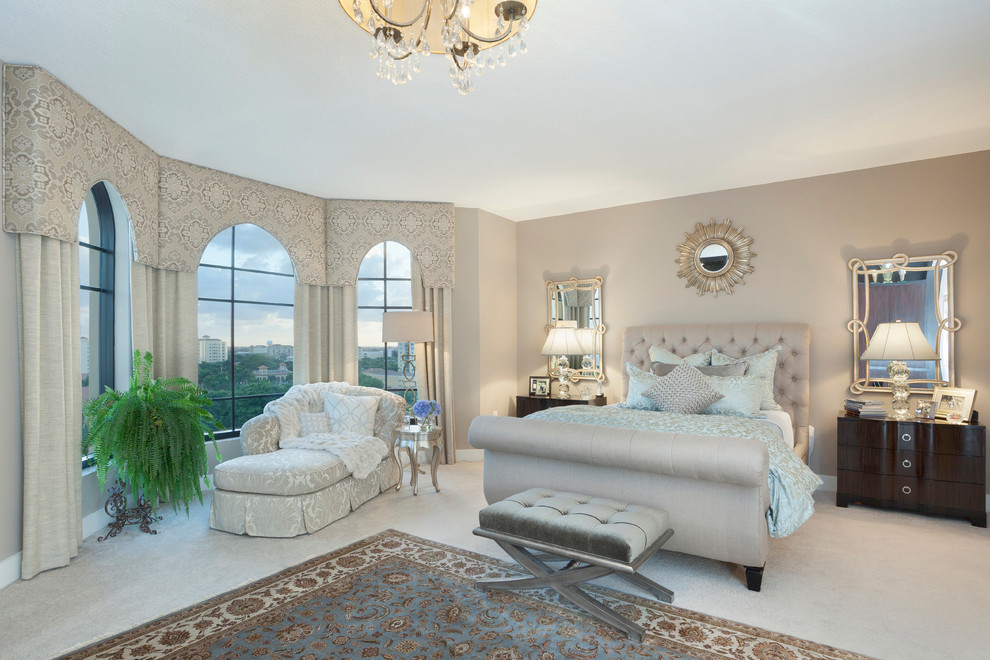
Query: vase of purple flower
{"type": "Point", "coordinates": [426, 411]}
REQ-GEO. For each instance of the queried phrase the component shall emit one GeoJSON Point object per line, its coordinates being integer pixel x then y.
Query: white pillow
{"type": "Point", "coordinates": [740, 396]}
{"type": "Point", "coordinates": [351, 413]}
{"type": "Point", "coordinates": [684, 390]}
{"type": "Point", "coordinates": [639, 382]}
{"type": "Point", "coordinates": [763, 366]}
{"type": "Point", "coordinates": [310, 423]}
{"type": "Point", "coordinates": [661, 354]}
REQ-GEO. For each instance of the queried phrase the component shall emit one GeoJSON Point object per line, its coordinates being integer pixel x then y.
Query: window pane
{"type": "Point", "coordinates": [214, 320]}
{"type": "Point", "coordinates": [371, 365]}
{"type": "Point", "coordinates": [374, 263]}
{"type": "Point", "coordinates": [245, 409]}
{"type": "Point", "coordinates": [370, 293]}
{"type": "Point", "coordinates": [217, 252]}
{"type": "Point", "coordinates": [221, 413]}
{"type": "Point", "coordinates": [399, 294]}
{"type": "Point", "coordinates": [89, 266]}
{"type": "Point", "coordinates": [263, 288]}
{"type": "Point", "coordinates": [214, 282]}
{"type": "Point", "coordinates": [89, 324]}
{"type": "Point", "coordinates": [256, 249]}
{"type": "Point", "coordinates": [398, 259]}
{"type": "Point", "coordinates": [255, 325]}
{"type": "Point", "coordinates": [370, 328]}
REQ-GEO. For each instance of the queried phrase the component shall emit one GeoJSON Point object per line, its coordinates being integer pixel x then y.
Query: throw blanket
{"type": "Point", "coordinates": [791, 481]}
{"type": "Point", "coordinates": [360, 453]}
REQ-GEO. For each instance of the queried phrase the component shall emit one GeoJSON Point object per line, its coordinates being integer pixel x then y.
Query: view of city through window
{"type": "Point", "coordinates": [384, 284]}
{"type": "Point", "coordinates": [246, 293]}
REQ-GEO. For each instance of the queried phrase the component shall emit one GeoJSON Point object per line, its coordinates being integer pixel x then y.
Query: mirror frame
{"type": "Point", "coordinates": [735, 242]}
{"type": "Point", "coordinates": [942, 266]}
{"type": "Point", "coordinates": [593, 284]}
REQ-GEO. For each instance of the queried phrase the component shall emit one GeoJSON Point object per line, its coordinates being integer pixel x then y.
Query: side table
{"type": "Point", "coordinates": [414, 440]}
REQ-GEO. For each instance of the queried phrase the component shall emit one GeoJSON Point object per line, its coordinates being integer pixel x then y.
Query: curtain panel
{"type": "Point", "coordinates": [51, 400]}
{"type": "Point", "coordinates": [325, 334]}
{"type": "Point", "coordinates": [434, 377]}
{"type": "Point", "coordinates": [165, 319]}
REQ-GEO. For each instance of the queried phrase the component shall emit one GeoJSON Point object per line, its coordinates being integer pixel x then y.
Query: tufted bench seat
{"type": "Point", "coordinates": [598, 536]}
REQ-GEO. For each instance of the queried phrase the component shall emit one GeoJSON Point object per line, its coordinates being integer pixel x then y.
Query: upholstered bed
{"type": "Point", "coordinates": [720, 489]}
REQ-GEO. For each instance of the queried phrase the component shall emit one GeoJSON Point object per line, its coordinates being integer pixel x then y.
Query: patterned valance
{"type": "Point", "coordinates": [57, 146]}
{"type": "Point", "coordinates": [354, 227]}
{"type": "Point", "coordinates": [197, 203]}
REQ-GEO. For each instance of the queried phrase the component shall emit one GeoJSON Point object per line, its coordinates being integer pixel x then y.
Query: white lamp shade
{"type": "Point", "coordinates": [564, 339]}
{"type": "Point", "coordinates": [407, 326]}
{"type": "Point", "coordinates": [899, 341]}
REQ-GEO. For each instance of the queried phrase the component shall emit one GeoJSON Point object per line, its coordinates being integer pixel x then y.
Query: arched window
{"type": "Point", "coordinates": [104, 292]}
{"type": "Point", "coordinates": [246, 289]}
{"type": "Point", "coordinates": [384, 285]}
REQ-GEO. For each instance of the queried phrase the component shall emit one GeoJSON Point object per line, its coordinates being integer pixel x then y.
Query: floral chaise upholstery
{"type": "Point", "coordinates": [286, 492]}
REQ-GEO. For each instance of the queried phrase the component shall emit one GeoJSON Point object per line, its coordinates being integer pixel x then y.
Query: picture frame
{"type": "Point", "coordinates": [953, 404]}
{"type": "Point", "coordinates": [539, 386]}
{"type": "Point", "coordinates": [925, 409]}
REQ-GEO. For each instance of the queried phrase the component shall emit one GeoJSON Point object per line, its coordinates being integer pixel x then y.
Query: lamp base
{"type": "Point", "coordinates": [899, 373]}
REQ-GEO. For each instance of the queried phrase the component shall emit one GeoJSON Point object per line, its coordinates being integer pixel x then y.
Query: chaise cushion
{"type": "Point", "coordinates": [283, 472]}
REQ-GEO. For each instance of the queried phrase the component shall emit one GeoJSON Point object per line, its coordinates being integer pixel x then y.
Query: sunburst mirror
{"type": "Point", "coordinates": [714, 257]}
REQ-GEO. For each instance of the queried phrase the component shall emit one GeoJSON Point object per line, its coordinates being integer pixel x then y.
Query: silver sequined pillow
{"type": "Point", "coordinates": [684, 390]}
{"type": "Point", "coordinates": [310, 423]}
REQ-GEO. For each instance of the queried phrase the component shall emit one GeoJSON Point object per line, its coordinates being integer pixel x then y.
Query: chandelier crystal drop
{"type": "Point", "coordinates": [471, 33]}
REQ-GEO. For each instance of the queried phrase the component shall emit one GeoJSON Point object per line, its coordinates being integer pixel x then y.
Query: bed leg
{"type": "Point", "coordinates": [754, 577]}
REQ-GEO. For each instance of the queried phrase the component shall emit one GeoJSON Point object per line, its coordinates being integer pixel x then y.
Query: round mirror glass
{"type": "Point", "coordinates": [713, 258]}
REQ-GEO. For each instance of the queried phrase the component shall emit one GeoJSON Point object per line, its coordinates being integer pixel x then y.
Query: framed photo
{"type": "Point", "coordinates": [925, 409]}
{"type": "Point", "coordinates": [539, 386]}
{"type": "Point", "coordinates": [953, 404]}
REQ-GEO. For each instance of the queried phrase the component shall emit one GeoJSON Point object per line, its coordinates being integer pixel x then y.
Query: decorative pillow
{"type": "Point", "coordinates": [684, 390]}
{"type": "Point", "coordinates": [740, 396]}
{"type": "Point", "coordinates": [762, 365]}
{"type": "Point", "coordinates": [639, 382]}
{"type": "Point", "coordinates": [351, 413]}
{"type": "Point", "coordinates": [661, 354]}
{"type": "Point", "coordinates": [310, 423]}
{"type": "Point", "coordinates": [661, 369]}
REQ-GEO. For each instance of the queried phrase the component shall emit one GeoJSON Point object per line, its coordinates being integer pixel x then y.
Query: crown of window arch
{"type": "Point", "coordinates": [58, 145]}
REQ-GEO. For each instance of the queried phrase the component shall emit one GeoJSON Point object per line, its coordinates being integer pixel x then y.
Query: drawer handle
{"type": "Point", "coordinates": [906, 490]}
{"type": "Point", "coordinates": [906, 463]}
{"type": "Point", "coordinates": [906, 437]}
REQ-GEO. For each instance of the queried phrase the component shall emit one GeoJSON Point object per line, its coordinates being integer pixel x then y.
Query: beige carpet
{"type": "Point", "coordinates": [880, 583]}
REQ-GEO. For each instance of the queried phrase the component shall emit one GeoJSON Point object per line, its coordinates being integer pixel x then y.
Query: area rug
{"type": "Point", "coordinates": [394, 595]}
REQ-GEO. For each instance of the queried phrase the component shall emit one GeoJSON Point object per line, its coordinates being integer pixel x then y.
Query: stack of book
{"type": "Point", "coordinates": [865, 408]}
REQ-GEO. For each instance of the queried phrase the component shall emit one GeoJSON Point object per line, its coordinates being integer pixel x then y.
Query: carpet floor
{"type": "Point", "coordinates": [395, 595]}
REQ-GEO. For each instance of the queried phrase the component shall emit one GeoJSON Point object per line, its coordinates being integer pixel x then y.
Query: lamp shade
{"type": "Point", "coordinates": [564, 340]}
{"type": "Point", "coordinates": [899, 341]}
{"type": "Point", "coordinates": [407, 326]}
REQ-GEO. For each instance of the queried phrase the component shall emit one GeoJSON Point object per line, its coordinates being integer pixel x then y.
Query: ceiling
{"type": "Point", "coordinates": [673, 97]}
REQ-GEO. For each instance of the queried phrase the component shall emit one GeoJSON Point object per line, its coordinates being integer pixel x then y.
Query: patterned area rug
{"type": "Point", "coordinates": [398, 596]}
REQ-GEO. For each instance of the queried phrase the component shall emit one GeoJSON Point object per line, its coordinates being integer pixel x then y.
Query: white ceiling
{"type": "Point", "coordinates": [675, 97]}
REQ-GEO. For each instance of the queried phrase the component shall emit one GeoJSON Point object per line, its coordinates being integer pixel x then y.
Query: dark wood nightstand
{"type": "Point", "coordinates": [928, 466]}
{"type": "Point", "coordinates": [530, 404]}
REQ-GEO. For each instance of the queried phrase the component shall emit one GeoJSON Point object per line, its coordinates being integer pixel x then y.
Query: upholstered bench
{"type": "Point", "coordinates": [598, 536]}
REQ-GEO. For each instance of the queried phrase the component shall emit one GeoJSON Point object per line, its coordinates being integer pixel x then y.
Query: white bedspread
{"type": "Point", "coordinates": [360, 453]}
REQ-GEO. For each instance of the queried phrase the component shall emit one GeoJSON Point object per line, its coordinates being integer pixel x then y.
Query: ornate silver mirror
{"type": "Point", "coordinates": [578, 303]}
{"type": "Point", "coordinates": [714, 257]}
{"type": "Point", "coordinates": [909, 289]}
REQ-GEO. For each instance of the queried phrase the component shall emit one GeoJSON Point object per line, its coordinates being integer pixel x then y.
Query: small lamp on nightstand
{"type": "Point", "coordinates": [562, 341]}
{"type": "Point", "coordinates": [898, 342]}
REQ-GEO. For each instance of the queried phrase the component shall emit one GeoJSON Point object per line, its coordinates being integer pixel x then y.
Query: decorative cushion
{"type": "Point", "coordinates": [639, 382]}
{"type": "Point", "coordinates": [310, 423]}
{"type": "Point", "coordinates": [661, 354]}
{"type": "Point", "coordinates": [741, 396]}
{"type": "Point", "coordinates": [595, 525]}
{"type": "Point", "coordinates": [762, 365]}
{"type": "Point", "coordinates": [662, 369]}
{"type": "Point", "coordinates": [351, 413]}
{"type": "Point", "coordinates": [685, 390]}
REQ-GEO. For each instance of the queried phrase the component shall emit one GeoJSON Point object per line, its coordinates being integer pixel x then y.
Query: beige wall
{"type": "Point", "coordinates": [484, 322]}
{"type": "Point", "coordinates": [804, 233]}
{"type": "Point", "coordinates": [11, 467]}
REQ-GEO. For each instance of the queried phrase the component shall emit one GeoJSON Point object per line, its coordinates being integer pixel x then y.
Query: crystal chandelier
{"type": "Point", "coordinates": [473, 34]}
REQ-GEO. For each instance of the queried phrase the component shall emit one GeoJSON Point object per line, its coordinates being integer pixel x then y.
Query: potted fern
{"type": "Point", "coordinates": [154, 436]}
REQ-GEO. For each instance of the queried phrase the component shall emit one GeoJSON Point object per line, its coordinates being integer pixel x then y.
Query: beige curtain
{"type": "Point", "coordinates": [325, 334]}
{"type": "Point", "coordinates": [165, 319]}
{"type": "Point", "coordinates": [51, 405]}
{"type": "Point", "coordinates": [434, 365]}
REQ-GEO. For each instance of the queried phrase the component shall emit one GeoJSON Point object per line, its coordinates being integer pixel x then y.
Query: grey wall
{"type": "Point", "coordinates": [804, 232]}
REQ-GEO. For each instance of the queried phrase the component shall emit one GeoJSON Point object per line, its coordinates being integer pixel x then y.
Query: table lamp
{"type": "Point", "coordinates": [562, 341]}
{"type": "Point", "coordinates": [899, 342]}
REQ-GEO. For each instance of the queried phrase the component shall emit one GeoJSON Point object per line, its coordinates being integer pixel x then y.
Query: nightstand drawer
{"type": "Point", "coordinates": [940, 497]}
{"type": "Point", "coordinates": [927, 437]}
{"type": "Point", "coordinates": [944, 467]}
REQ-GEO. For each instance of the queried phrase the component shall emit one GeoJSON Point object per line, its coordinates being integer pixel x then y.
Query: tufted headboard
{"type": "Point", "coordinates": [792, 385]}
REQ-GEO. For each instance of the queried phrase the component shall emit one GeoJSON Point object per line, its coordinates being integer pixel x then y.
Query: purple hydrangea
{"type": "Point", "coordinates": [426, 407]}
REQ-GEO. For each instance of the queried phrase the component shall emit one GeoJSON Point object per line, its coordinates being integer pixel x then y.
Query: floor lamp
{"type": "Point", "coordinates": [407, 327]}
